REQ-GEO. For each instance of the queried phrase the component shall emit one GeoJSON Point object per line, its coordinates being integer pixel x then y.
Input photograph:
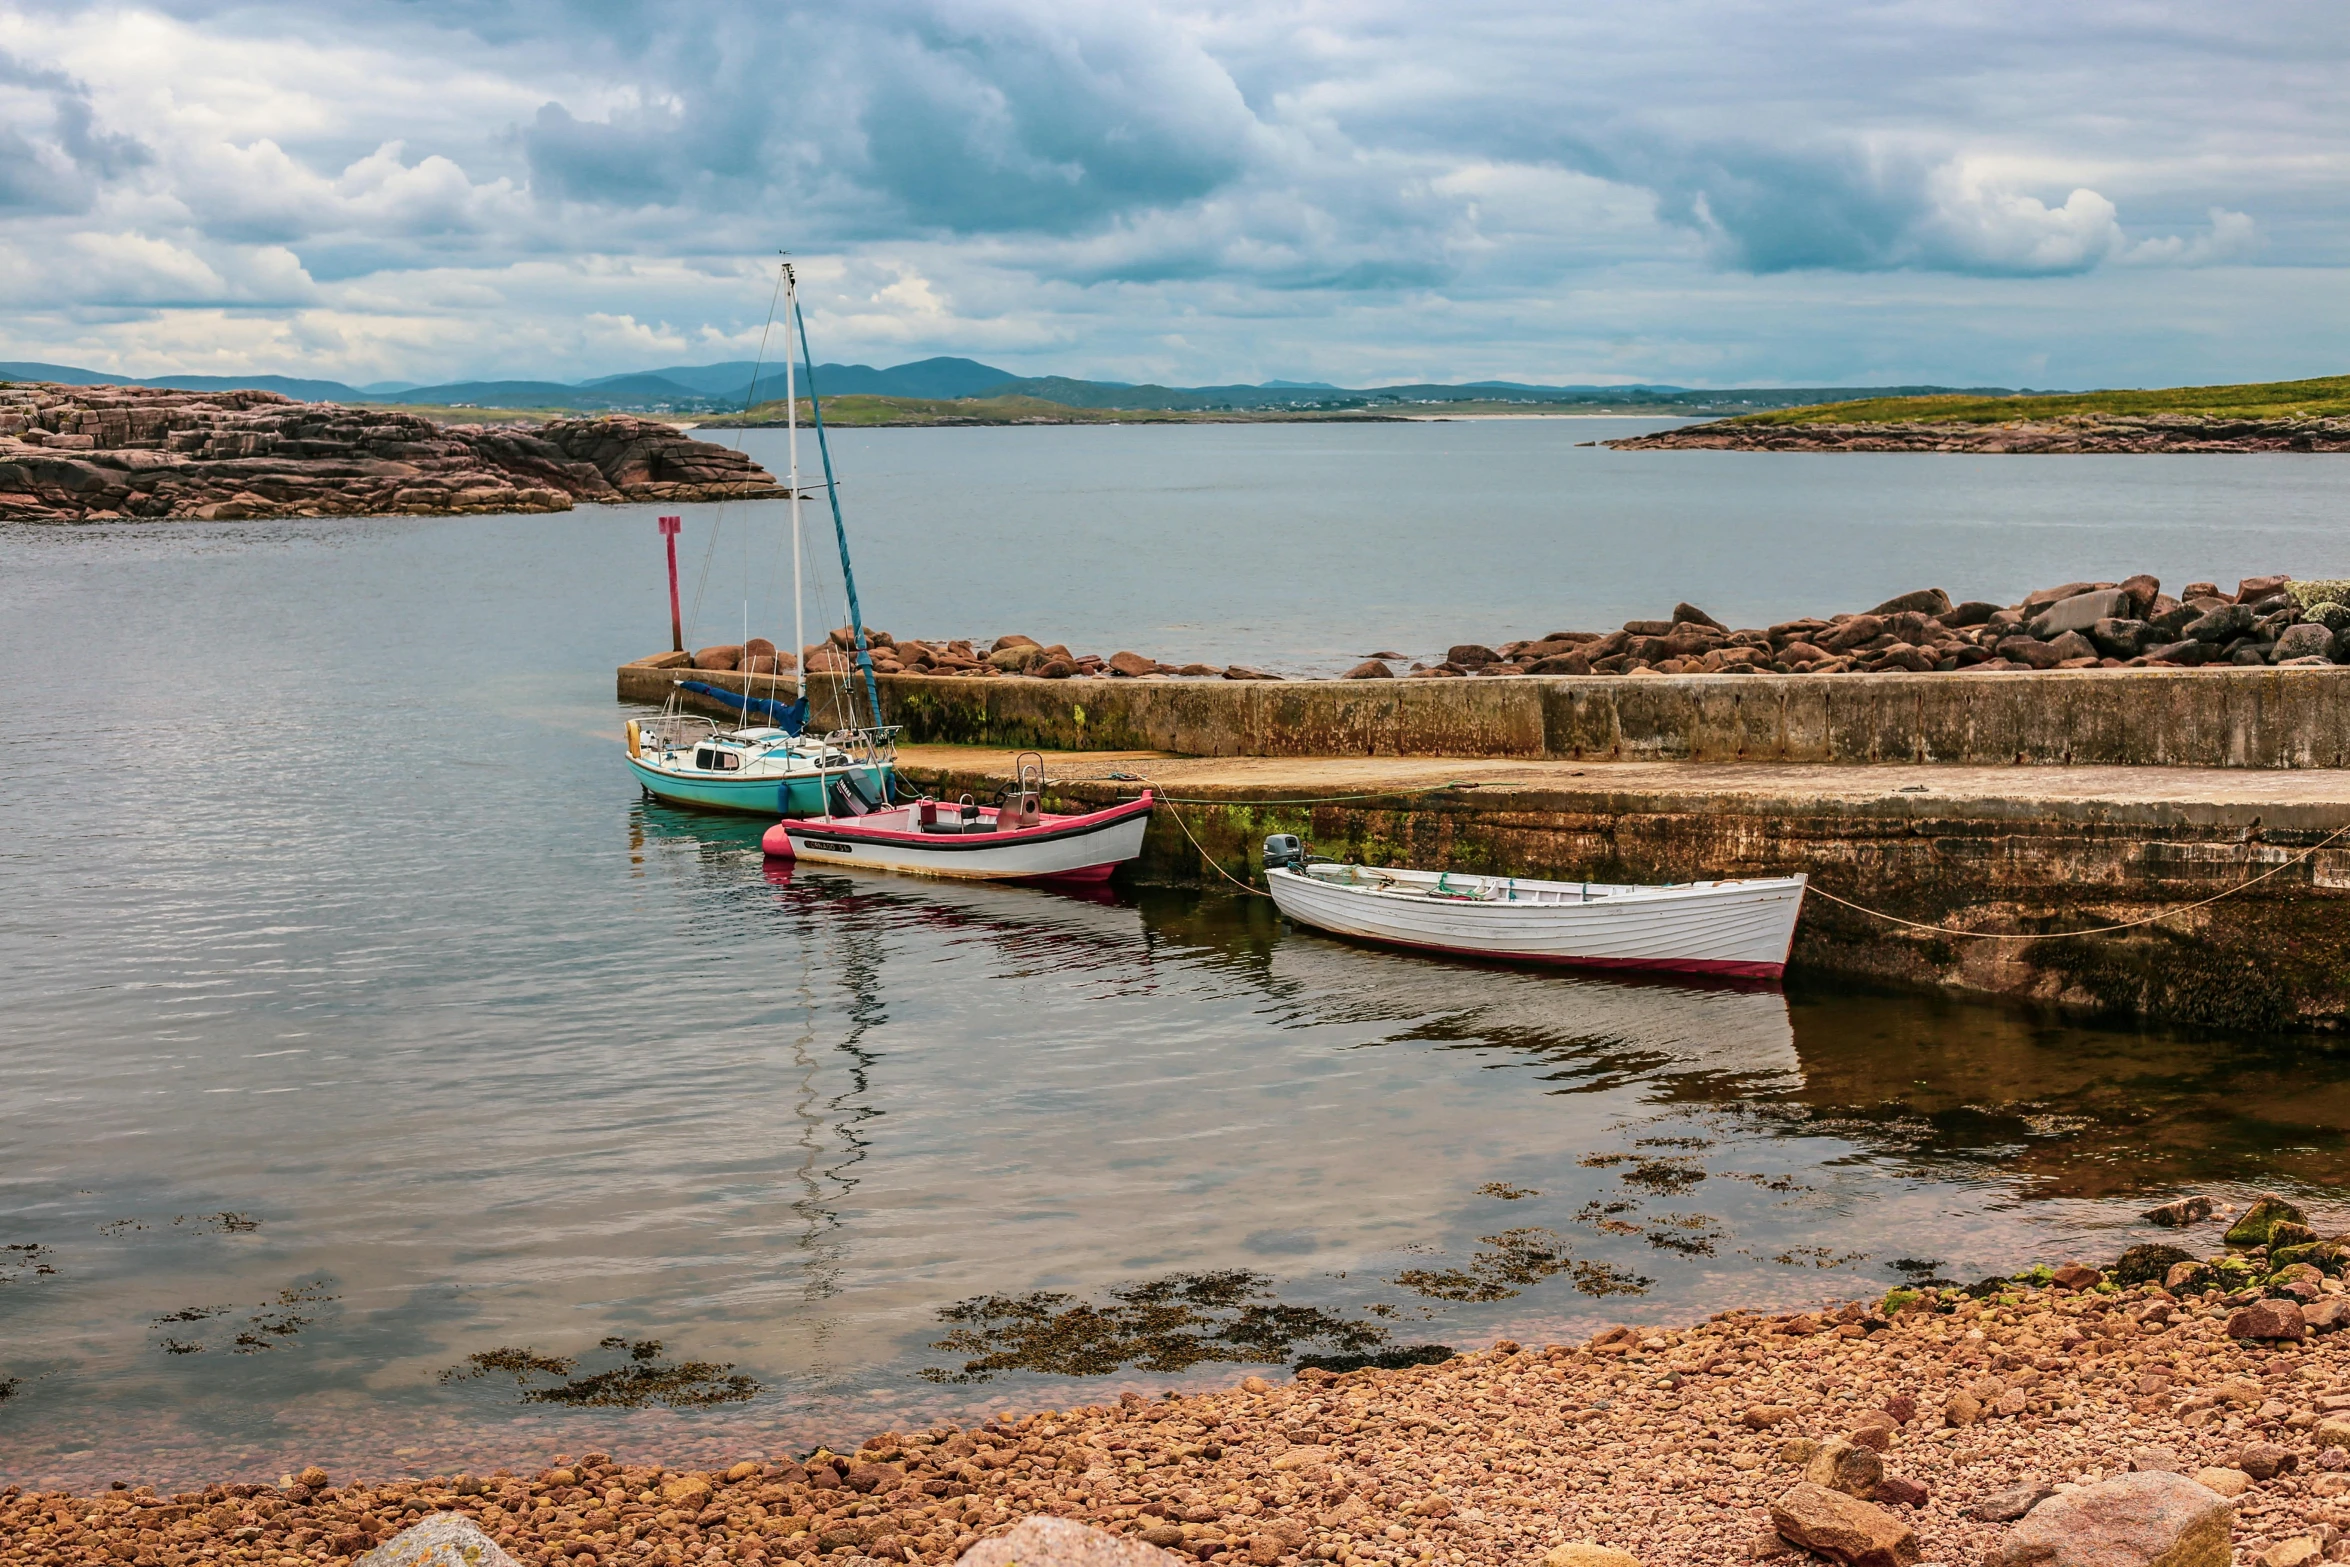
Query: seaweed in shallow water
{"type": "Point", "coordinates": [1665, 1177]}
{"type": "Point", "coordinates": [15, 1258]}
{"type": "Point", "coordinates": [1516, 1259]}
{"type": "Point", "coordinates": [1398, 1359]}
{"type": "Point", "coordinates": [642, 1378]}
{"type": "Point", "coordinates": [221, 1223]}
{"type": "Point", "coordinates": [1161, 1325]}
{"type": "Point", "coordinates": [1505, 1191]}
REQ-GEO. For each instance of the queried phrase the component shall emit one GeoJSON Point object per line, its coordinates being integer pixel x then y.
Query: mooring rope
{"type": "Point", "coordinates": [1209, 859]}
{"type": "Point", "coordinates": [1172, 801]}
{"type": "Point", "coordinates": [1858, 908]}
{"type": "Point", "coordinates": [2093, 930]}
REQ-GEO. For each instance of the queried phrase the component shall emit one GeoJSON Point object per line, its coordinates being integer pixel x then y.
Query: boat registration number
{"type": "Point", "coordinates": [829, 845]}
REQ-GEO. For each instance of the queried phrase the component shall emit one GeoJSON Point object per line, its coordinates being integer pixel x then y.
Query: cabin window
{"type": "Point", "coordinates": [715, 761]}
{"type": "Point", "coordinates": [706, 759]}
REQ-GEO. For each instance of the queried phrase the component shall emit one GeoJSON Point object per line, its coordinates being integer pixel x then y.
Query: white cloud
{"type": "Point", "coordinates": [1974, 227]}
{"type": "Point", "coordinates": [2231, 237]}
{"type": "Point", "coordinates": [1187, 189]}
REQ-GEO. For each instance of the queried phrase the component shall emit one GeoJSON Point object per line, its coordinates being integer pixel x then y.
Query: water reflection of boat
{"type": "Point", "coordinates": [1645, 1027]}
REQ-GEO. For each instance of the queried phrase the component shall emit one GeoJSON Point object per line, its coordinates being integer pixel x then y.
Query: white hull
{"type": "Point", "coordinates": [1738, 928]}
{"type": "Point", "coordinates": [1073, 848]}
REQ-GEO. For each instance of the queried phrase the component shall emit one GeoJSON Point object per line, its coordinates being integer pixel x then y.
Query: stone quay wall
{"type": "Point", "coordinates": [2234, 717]}
{"type": "Point", "coordinates": [2276, 957]}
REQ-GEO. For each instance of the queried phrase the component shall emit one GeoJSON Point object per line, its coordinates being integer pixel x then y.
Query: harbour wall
{"type": "Point", "coordinates": [1959, 853]}
{"type": "Point", "coordinates": [2142, 792]}
{"type": "Point", "coordinates": [2249, 718]}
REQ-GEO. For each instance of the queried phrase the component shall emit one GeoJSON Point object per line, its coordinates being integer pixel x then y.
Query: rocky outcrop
{"type": "Point", "coordinates": [103, 453]}
{"type": "Point", "coordinates": [2075, 625]}
{"type": "Point", "coordinates": [2090, 433]}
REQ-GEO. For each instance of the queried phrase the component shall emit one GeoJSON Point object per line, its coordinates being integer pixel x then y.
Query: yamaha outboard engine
{"type": "Point", "coordinates": [1285, 849]}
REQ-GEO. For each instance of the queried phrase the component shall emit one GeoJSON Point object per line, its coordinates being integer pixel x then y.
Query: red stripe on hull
{"type": "Point", "coordinates": [1714, 968]}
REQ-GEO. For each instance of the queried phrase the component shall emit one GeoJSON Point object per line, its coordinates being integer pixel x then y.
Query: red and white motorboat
{"type": "Point", "coordinates": [1015, 841]}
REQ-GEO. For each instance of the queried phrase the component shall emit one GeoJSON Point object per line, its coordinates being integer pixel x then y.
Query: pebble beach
{"type": "Point", "coordinates": [1933, 1417]}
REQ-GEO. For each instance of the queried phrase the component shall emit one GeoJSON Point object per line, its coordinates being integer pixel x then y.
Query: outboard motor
{"type": "Point", "coordinates": [1285, 850]}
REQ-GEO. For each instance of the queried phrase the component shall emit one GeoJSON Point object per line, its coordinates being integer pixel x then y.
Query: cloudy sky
{"type": "Point", "coordinates": [1714, 194]}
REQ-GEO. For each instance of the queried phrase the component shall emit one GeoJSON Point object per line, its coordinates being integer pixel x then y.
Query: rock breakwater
{"type": "Point", "coordinates": [2090, 433]}
{"type": "Point", "coordinates": [2132, 624]}
{"type": "Point", "coordinates": [1936, 1421]}
{"type": "Point", "coordinates": [951, 656]}
{"type": "Point", "coordinates": [2075, 625]}
{"type": "Point", "coordinates": [105, 453]}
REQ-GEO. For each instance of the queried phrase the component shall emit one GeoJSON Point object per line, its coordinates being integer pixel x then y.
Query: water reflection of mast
{"type": "Point", "coordinates": [823, 1173]}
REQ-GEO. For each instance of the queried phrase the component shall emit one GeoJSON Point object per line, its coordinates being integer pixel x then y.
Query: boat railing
{"type": "Point", "coordinates": [874, 746]}
{"type": "Point", "coordinates": [677, 731]}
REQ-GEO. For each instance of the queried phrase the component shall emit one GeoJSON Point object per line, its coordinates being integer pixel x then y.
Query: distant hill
{"type": "Point", "coordinates": [288, 386]}
{"type": "Point", "coordinates": [727, 387]}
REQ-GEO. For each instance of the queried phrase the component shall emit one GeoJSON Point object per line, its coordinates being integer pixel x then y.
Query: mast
{"type": "Point", "coordinates": [791, 404]}
{"type": "Point", "coordinates": [840, 529]}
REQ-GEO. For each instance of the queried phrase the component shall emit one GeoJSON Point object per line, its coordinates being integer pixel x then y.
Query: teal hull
{"type": "Point", "coordinates": [800, 795]}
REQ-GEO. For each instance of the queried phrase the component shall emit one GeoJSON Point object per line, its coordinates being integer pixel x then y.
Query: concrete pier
{"type": "Point", "coordinates": [1943, 800]}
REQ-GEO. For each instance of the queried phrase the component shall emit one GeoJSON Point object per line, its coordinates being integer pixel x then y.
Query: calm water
{"type": "Point", "coordinates": [360, 1018]}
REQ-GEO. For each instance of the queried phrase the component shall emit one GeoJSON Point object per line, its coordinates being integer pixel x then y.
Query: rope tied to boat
{"type": "Point", "coordinates": [1173, 801]}
{"type": "Point", "coordinates": [2093, 930]}
{"type": "Point", "coordinates": [1812, 887]}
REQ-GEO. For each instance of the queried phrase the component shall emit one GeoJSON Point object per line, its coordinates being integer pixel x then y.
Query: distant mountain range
{"type": "Point", "coordinates": [725, 387]}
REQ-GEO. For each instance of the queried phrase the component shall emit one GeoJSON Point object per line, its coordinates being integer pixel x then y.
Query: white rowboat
{"type": "Point", "coordinates": [1737, 928]}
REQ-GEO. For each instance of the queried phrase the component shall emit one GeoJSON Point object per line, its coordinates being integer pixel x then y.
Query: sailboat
{"type": "Point", "coordinates": [769, 763]}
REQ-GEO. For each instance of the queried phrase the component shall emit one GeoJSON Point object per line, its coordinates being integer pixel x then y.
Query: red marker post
{"type": "Point", "coordinates": [669, 527]}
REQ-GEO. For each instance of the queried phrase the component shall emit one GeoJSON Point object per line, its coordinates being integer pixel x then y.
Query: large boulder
{"type": "Point", "coordinates": [2082, 611]}
{"type": "Point", "coordinates": [2268, 1319]}
{"type": "Point", "coordinates": [2029, 651]}
{"type": "Point", "coordinates": [2148, 1263]}
{"type": "Point", "coordinates": [1059, 1542]}
{"type": "Point", "coordinates": [1585, 1553]}
{"type": "Point", "coordinates": [2265, 1214]}
{"type": "Point", "coordinates": [1843, 1528]}
{"type": "Point", "coordinates": [1851, 1467]}
{"type": "Point", "coordinates": [1924, 601]}
{"type": "Point", "coordinates": [2119, 638]}
{"type": "Point", "coordinates": [439, 1540]}
{"type": "Point", "coordinates": [2303, 641]}
{"type": "Point", "coordinates": [2222, 625]}
{"type": "Point", "coordinates": [2136, 1520]}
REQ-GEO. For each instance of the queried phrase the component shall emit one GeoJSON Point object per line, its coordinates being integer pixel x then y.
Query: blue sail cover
{"type": "Point", "coordinates": [790, 717]}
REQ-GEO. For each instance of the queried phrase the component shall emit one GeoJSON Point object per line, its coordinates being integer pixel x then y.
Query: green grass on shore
{"type": "Point", "coordinates": [2327, 397]}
